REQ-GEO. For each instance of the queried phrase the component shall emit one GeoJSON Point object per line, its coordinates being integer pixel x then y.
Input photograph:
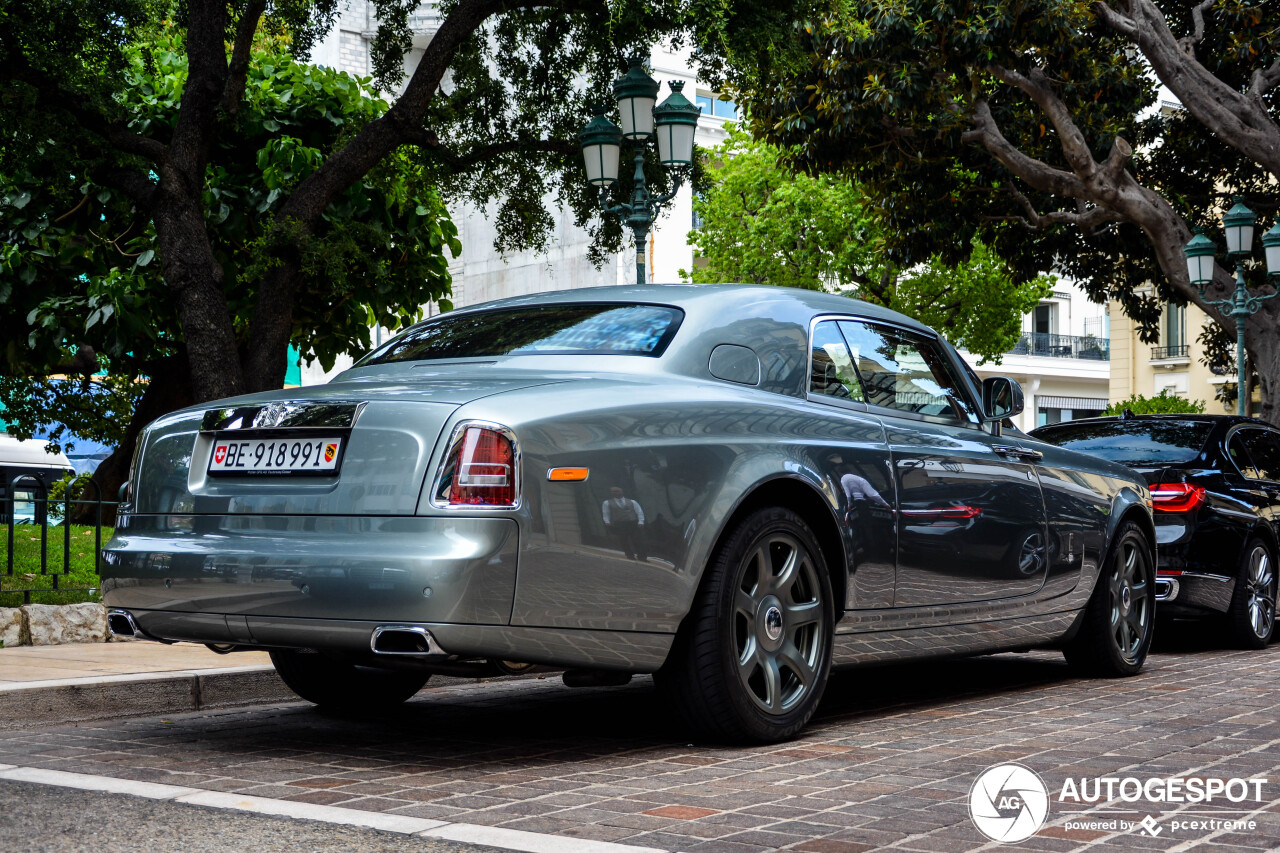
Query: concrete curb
{"type": "Point", "coordinates": [79, 700]}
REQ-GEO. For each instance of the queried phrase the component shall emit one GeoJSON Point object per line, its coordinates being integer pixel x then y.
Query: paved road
{"type": "Point", "coordinates": [889, 761]}
{"type": "Point", "coordinates": [51, 820]}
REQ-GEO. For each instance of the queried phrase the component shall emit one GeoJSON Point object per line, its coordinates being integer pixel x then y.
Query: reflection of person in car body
{"type": "Point", "coordinates": [624, 518]}
{"type": "Point", "coordinates": [858, 488]}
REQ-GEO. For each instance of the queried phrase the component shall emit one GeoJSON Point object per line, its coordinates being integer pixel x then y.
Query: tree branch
{"type": "Point", "coordinates": [1036, 86]}
{"type": "Point", "coordinates": [1039, 175]}
{"type": "Point", "coordinates": [238, 69]}
{"type": "Point", "coordinates": [476, 157]}
{"type": "Point", "coordinates": [1189, 43]}
{"type": "Point", "coordinates": [1086, 219]}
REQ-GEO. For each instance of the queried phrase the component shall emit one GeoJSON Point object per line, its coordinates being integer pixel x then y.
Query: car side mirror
{"type": "Point", "coordinates": [1001, 398]}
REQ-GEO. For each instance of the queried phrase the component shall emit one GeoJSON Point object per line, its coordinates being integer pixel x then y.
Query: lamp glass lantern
{"type": "Point", "coordinates": [1199, 253]}
{"type": "Point", "coordinates": [636, 92]}
{"type": "Point", "coordinates": [1238, 225]}
{"type": "Point", "coordinates": [1271, 243]}
{"type": "Point", "coordinates": [601, 142]}
{"type": "Point", "coordinates": [677, 121]}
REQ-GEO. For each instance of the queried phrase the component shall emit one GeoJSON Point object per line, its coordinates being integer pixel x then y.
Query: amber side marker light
{"type": "Point", "coordinates": [567, 475]}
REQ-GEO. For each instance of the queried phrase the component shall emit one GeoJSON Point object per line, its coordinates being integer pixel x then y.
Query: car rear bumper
{"type": "Point", "coordinates": [615, 650]}
{"type": "Point", "coordinates": [216, 571]}
{"type": "Point", "coordinates": [1193, 593]}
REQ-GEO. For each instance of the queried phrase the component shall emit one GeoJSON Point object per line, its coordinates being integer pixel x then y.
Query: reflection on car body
{"type": "Point", "coordinates": [820, 482]}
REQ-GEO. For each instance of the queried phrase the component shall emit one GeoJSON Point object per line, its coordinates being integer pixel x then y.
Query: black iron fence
{"type": "Point", "coordinates": [53, 537]}
{"type": "Point", "coordinates": [1063, 346]}
{"type": "Point", "coordinates": [1175, 351]}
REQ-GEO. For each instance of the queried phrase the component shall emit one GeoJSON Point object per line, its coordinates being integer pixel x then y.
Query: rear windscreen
{"type": "Point", "coordinates": [1132, 442]}
{"type": "Point", "coordinates": [590, 329]}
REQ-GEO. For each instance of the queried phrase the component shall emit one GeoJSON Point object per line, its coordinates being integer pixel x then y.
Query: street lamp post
{"type": "Point", "coordinates": [1238, 224]}
{"type": "Point", "coordinates": [673, 122]}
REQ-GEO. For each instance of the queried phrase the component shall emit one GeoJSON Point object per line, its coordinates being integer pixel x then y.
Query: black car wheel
{"type": "Point", "coordinates": [751, 661]}
{"type": "Point", "coordinates": [343, 686]}
{"type": "Point", "coordinates": [1252, 617]}
{"type": "Point", "coordinates": [1116, 633]}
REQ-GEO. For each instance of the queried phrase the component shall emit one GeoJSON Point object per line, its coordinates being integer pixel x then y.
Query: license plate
{"type": "Point", "coordinates": [285, 455]}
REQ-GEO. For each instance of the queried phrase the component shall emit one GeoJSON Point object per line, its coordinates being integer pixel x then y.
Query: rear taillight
{"type": "Point", "coordinates": [1176, 497]}
{"type": "Point", "coordinates": [480, 468]}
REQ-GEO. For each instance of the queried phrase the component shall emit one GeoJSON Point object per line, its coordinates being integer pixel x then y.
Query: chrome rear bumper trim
{"type": "Point", "coordinates": [1166, 589]}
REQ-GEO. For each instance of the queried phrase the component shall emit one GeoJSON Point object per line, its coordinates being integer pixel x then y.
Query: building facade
{"type": "Point", "coordinates": [1172, 364]}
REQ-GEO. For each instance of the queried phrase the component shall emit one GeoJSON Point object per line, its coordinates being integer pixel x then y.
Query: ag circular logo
{"type": "Point", "coordinates": [1008, 803]}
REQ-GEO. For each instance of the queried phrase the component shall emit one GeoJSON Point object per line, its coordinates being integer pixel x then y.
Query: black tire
{"type": "Point", "coordinates": [1119, 619]}
{"type": "Point", "coordinates": [1251, 619]}
{"type": "Point", "coordinates": [752, 658]}
{"type": "Point", "coordinates": [339, 685]}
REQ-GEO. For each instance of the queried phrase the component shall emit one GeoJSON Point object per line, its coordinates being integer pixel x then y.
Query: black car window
{"type": "Point", "coordinates": [1264, 450]}
{"type": "Point", "coordinates": [832, 373]}
{"type": "Point", "coordinates": [905, 371]}
{"type": "Point", "coordinates": [1241, 458]}
{"type": "Point", "coordinates": [1138, 442]}
{"type": "Point", "coordinates": [572, 329]}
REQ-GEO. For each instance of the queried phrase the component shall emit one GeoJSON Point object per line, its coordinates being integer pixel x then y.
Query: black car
{"type": "Point", "coordinates": [1215, 486]}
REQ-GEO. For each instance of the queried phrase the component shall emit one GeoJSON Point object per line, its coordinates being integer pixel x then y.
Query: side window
{"type": "Point", "coordinates": [1240, 456]}
{"type": "Point", "coordinates": [833, 372]}
{"type": "Point", "coordinates": [907, 372]}
{"type": "Point", "coordinates": [1264, 450]}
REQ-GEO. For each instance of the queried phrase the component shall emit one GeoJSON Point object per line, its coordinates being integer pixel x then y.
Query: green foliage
{"type": "Point", "coordinates": [764, 224]}
{"type": "Point", "coordinates": [97, 410]}
{"type": "Point", "coordinates": [1164, 403]}
{"type": "Point", "coordinates": [888, 95]}
{"type": "Point", "coordinates": [78, 260]}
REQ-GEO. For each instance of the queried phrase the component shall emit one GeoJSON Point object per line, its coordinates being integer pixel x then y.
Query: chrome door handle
{"type": "Point", "coordinates": [1020, 453]}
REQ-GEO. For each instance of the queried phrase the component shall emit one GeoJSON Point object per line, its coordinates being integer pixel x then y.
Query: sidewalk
{"type": "Point", "coordinates": [76, 682]}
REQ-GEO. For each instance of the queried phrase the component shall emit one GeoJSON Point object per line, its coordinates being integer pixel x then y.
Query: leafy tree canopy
{"type": "Point", "coordinates": [82, 290]}
{"type": "Point", "coordinates": [964, 119]}
{"type": "Point", "coordinates": [762, 223]}
{"type": "Point", "coordinates": [1163, 403]}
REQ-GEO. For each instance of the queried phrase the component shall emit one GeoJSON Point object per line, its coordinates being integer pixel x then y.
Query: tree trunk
{"type": "Point", "coordinates": [1263, 345]}
{"type": "Point", "coordinates": [167, 391]}
{"type": "Point", "coordinates": [196, 281]}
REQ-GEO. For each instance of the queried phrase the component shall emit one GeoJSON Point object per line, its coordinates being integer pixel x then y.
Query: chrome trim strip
{"type": "Point", "coordinates": [433, 648]}
{"type": "Point", "coordinates": [283, 414]}
{"type": "Point", "coordinates": [454, 439]}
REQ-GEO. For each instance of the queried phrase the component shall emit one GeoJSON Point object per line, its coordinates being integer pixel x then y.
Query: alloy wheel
{"type": "Point", "coordinates": [779, 624]}
{"type": "Point", "coordinates": [1130, 601]}
{"type": "Point", "coordinates": [1260, 592]}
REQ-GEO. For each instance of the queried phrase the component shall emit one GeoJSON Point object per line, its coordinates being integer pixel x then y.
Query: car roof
{"type": "Point", "coordinates": [699, 298]}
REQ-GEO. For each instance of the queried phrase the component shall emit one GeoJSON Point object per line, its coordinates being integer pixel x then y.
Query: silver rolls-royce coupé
{"type": "Point", "coordinates": [734, 488]}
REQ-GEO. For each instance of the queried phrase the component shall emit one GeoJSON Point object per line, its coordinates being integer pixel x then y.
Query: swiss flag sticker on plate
{"type": "Point", "coordinates": [220, 453]}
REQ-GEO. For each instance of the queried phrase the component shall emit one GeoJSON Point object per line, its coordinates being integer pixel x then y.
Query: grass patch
{"type": "Point", "coordinates": [26, 573]}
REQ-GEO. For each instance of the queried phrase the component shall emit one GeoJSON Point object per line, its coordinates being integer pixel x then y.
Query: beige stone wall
{"type": "Point", "coordinates": [1134, 372]}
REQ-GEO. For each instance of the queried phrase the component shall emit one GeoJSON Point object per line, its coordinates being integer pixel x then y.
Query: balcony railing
{"type": "Point", "coordinates": [1175, 351]}
{"type": "Point", "coordinates": [1063, 346]}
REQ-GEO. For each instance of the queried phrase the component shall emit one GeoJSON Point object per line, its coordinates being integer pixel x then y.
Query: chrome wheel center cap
{"type": "Point", "coordinates": [773, 623]}
{"type": "Point", "coordinates": [1126, 599]}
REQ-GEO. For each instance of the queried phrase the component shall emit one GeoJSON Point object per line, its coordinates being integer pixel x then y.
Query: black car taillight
{"type": "Point", "coordinates": [1177, 497]}
{"type": "Point", "coordinates": [480, 469]}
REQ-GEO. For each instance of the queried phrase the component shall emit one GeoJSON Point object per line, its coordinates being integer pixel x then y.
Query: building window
{"type": "Point", "coordinates": [1175, 326]}
{"type": "Point", "coordinates": [716, 105]}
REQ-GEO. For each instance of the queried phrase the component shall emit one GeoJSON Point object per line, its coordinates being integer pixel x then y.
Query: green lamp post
{"type": "Point", "coordinates": [673, 123]}
{"type": "Point", "coordinates": [1238, 224]}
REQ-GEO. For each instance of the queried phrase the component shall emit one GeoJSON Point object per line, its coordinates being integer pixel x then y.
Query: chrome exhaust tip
{"type": "Point", "coordinates": [1166, 589]}
{"type": "Point", "coordinates": [120, 623]}
{"type": "Point", "coordinates": [408, 640]}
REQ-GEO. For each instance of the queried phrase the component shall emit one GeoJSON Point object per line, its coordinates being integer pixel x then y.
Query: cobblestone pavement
{"type": "Point", "coordinates": [888, 762]}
